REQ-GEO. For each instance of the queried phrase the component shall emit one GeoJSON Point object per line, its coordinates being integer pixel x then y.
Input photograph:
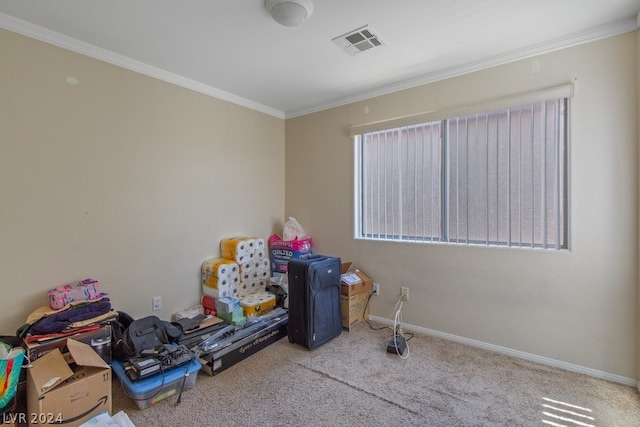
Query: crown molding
{"type": "Point", "coordinates": [51, 37]}
{"type": "Point", "coordinates": [587, 36]}
{"type": "Point", "coordinates": [60, 40]}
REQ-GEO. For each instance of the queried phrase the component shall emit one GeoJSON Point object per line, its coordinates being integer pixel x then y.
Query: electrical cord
{"type": "Point", "coordinates": [366, 306]}
{"type": "Point", "coordinates": [184, 378]}
{"type": "Point", "coordinates": [397, 330]}
{"type": "Point", "coordinates": [397, 323]}
{"type": "Point", "coordinates": [369, 321]}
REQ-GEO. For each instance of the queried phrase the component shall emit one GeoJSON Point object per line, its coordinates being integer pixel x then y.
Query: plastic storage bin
{"type": "Point", "coordinates": [157, 387]}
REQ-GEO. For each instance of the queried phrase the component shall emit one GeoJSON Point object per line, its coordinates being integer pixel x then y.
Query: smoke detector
{"type": "Point", "coordinates": [358, 41]}
{"type": "Point", "coordinates": [289, 12]}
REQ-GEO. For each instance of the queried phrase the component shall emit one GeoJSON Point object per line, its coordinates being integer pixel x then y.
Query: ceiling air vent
{"type": "Point", "coordinates": [358, 41]}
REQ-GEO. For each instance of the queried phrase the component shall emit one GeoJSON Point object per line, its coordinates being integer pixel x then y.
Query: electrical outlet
{"type": "Point", "coordinates": [156, 303]}
{"type": "Point", "coordinates": [404, 294]}
{"type": "Point", "coordinates": [376, 289]}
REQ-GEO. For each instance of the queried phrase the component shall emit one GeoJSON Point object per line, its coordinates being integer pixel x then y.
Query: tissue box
{"type": "Point", "coordinates": [235, 318]}
{"type": "Point", "coordinates": [227, 305]}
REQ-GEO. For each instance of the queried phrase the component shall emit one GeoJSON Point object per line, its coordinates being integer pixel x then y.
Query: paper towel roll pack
{"type": "Point", "coordinates": [258, 303]}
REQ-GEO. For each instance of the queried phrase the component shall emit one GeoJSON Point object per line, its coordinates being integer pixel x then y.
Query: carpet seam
{"type": "Point", "coordinates": [360, 389]}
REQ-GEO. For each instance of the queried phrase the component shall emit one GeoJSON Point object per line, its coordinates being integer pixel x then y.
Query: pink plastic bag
{"type": "Point", "coordinates": [281, 251]}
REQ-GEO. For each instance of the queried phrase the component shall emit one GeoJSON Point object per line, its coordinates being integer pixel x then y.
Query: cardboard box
{"type": "Point", "coordinates": [68, 390]}
{"type": "Point", "coordinates": [354, 309]}
{"type": "Point", "coordinates": [228, 356]}
{"type": "Point", "coordinates": [227, 304]}
{"type": "Point", "coordinates": [354, 281]}
{"type": "Point", "coordinates": [99, 339]}
{"type": "Point", "coordinates": [355, 290]}
{"type": "Point", "coordinates": [236, 318]}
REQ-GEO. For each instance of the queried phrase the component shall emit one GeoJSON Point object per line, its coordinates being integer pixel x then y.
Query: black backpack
{"type": "Point", "coordinates": [141, 334]}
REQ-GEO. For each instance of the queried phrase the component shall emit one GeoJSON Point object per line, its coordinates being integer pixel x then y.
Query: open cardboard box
{"type": "Point", "coordinates": [68, 390]}
{"type": "Point", "coordinates": [355, 289]}
{"type": "Point", "coordinates": [354, 281]}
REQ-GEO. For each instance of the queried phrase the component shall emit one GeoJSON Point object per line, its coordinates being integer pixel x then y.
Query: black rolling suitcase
{"type": "Point", "coordinates": [314, 300]}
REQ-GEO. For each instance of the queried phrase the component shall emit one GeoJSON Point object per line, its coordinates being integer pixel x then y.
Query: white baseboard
{"type": "Point", "coordinates": [515, 353]}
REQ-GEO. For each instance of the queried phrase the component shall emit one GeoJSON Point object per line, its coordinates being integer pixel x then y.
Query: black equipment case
{"type": "Point", "coordinates": [314, 300]}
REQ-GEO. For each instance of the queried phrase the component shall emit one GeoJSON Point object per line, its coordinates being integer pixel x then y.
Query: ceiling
{"type": "Point", "coordinates": [234, 50]}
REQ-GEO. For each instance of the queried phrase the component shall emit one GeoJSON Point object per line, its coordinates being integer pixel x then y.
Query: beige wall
{"type": "Point", "coordinates": [122, 178]}
{"type": "Point", "coordinates": [134, 181]}
{"type": "Point", "coordinates": [576, 306]}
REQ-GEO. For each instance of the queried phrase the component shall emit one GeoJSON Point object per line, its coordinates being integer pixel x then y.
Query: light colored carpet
{"type": "Point", "coordinates": [352, 380]}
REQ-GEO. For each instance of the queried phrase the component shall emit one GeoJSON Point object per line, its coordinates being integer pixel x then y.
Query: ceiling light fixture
{"type": "Point", "coordinates": [289, 12]}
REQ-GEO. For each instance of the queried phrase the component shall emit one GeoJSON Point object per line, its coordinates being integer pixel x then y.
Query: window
{"type": "Point", "coordinates": [494, 178]}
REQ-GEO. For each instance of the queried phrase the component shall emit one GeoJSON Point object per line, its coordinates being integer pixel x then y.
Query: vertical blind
{"type": "Point", "coordinates": [495, 178]}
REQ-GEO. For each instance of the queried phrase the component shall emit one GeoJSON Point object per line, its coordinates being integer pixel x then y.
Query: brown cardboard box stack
{"type": "Point", "coordinates": [355, 290]}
